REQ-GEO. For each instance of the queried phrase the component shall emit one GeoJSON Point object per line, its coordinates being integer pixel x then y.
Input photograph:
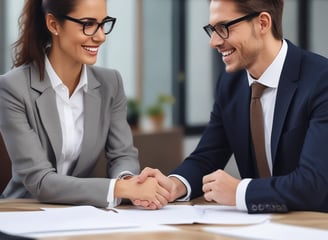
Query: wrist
{"type": "Point", "coordinates": [122, 188]}
{"type": "Point", "coordinates": [178, 189]}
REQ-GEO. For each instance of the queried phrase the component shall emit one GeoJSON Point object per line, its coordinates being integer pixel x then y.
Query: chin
{"type": "Point", "coordinates": [90, 62]}
{"type": "Point", "coordinates": [231, 68]}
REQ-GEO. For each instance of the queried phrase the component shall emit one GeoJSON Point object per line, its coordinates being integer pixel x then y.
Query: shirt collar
{"type": "Point", "coordinates": [271, 75]}
{"type": "Point", "coordinates": [56, 81]}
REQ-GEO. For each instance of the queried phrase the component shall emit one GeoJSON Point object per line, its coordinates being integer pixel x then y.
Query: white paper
{"type": "Point", "coordinates": [60, 219]}
{"type": "Point", "coordinates": [187, 214]}
{"type": "Point", "coordinates": [88, 218]}
{"type": "Point", "coordinates": [272, 231]}
{"type": "Point", "coordinates": [72, 221]}
{"type": "Point", "coordinates": [170, 214]}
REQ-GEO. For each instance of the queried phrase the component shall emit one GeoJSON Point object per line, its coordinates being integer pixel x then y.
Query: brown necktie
{"type": "Point", "coordinates": [257, 129]}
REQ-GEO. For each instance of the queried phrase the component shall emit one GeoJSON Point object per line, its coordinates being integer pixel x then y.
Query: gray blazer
{"type": "Point", "coordinates": [30, 126]}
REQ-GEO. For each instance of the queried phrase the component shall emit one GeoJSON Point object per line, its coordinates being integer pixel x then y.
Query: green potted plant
{"type": "Point", "coordinates": [133, 113]}
{"type": "Point", "coordinates": [156, 111]}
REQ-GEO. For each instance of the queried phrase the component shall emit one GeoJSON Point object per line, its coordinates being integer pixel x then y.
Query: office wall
{"type": "Point", "coordinates": [157, 49]}
{"type": "Point", "coordinates": [12, 9]}
{"type": "Point", "coordinates": [199, 72]}
{"type": "Point", "coordinates": [318, 27]}
{"type": "Point", "coordinates": [119, 50]}
{"type": "Point", "coordinates": [290, 20]}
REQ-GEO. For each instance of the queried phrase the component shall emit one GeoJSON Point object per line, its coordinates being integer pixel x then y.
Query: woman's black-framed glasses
{"type": "Point", "coordinates": [222, 29]}
{"type": "Point", "coordinates": [90, 26]}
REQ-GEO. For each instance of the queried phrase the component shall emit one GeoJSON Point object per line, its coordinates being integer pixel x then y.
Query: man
{"type": "Point", "coordinates": [248, 35]}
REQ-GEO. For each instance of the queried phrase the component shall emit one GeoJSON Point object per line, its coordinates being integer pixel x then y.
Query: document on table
{"type": "Point", "coordinates": [88, 218]}
{"type": "Point", "coordinates": [272, 231]}
{"type": "Point", "coordinates": [58, 219]}
{"type": "Point", "coordinates": [187, 214]}
{"type": "Point", "coordinates": [70, 221]}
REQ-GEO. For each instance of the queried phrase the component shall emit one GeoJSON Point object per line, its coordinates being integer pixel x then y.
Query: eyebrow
{"type": "Point", "coordinates": [220, 23]}
{"type": "Point", "coordinates": [93, 19]}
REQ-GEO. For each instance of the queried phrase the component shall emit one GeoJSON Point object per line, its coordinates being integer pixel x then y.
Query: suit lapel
{"type": "Point", "coordinates": [92, 111]}
{"type": "Point", "coordinates": [286, 89]}
{"type": "Point", "coordinates": [47, 108]}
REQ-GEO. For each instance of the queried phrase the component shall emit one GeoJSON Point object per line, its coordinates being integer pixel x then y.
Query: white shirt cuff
{"type": "Point", "coordinates": [112, 201]}
{"type": "Point", "coordinates": [241, 194]}
{"type": "Point", "coordinates": [186, 183]}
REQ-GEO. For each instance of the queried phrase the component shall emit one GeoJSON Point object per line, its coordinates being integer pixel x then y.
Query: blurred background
{"type": "Point", "coordinates": [167, 66]}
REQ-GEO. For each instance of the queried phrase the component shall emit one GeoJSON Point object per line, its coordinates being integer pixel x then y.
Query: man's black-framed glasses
{"type": "Point", "coordinates": [222, 29]}
{"type": "Point", "coordinates": [90, 26]}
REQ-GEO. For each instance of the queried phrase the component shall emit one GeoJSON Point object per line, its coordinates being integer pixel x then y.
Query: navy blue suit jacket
{"type": "Point", "coordinates": [298, 142]}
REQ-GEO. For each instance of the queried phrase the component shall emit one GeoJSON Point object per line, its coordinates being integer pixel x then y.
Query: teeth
{"type": "Point", "coordinates": [91, 49]}
{"type": "Point", "coordinates": [227, 53]}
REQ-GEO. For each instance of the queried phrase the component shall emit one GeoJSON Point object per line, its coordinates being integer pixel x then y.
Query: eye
{"type": "Point", "coordinates": [89, 24]}
{"type": "Point", "coordinates": [220, 28]}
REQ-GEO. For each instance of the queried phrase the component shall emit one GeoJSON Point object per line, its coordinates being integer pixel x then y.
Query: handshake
{"type": "Point", "coordinates": [153, 190]}
{"type": "Point", "coordinates": [150, 190]}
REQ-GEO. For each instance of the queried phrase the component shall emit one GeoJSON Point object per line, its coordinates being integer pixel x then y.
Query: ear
{"type": "Point", "coordinates": [265, 22]}
{"type": "Point", "coordinates": [52, 23]}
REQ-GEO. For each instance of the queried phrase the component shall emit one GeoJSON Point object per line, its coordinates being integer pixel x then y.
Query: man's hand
{"type": "Point", "coordinates": [220, 187]}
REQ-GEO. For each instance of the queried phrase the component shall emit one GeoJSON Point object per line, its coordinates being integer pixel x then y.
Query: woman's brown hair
{"type": "Point", "coordinates": [34, 36]}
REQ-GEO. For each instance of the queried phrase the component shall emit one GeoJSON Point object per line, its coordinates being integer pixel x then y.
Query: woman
{"type": "Point", "coordinates": [58, 113]}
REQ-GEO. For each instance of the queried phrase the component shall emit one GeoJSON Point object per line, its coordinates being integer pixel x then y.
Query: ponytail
{"type": "Point", "coordinates": [34, 35]}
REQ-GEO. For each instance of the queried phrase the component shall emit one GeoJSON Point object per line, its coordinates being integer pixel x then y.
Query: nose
{"type": "Point", "coordinates": [216, 40]}
{"type": "Point", "coordinates": [99, 36]}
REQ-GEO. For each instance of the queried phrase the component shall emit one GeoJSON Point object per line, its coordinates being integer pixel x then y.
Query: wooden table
{"type": "Point", "coordinates": [190, 232]}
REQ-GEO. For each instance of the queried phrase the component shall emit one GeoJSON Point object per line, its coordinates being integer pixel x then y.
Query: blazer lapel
{"type": "Point", "coordinates": [47, 108]}
{"type": "Point", "coordinates": [92, 111]}
{"type": "Point", "coordinates": [286, 89]}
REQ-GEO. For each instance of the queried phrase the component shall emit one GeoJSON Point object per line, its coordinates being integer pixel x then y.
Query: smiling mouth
{"type": "Point", "coordinates": [228, 53]}
{"type": "Point", "coordinates": [91, 49]}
